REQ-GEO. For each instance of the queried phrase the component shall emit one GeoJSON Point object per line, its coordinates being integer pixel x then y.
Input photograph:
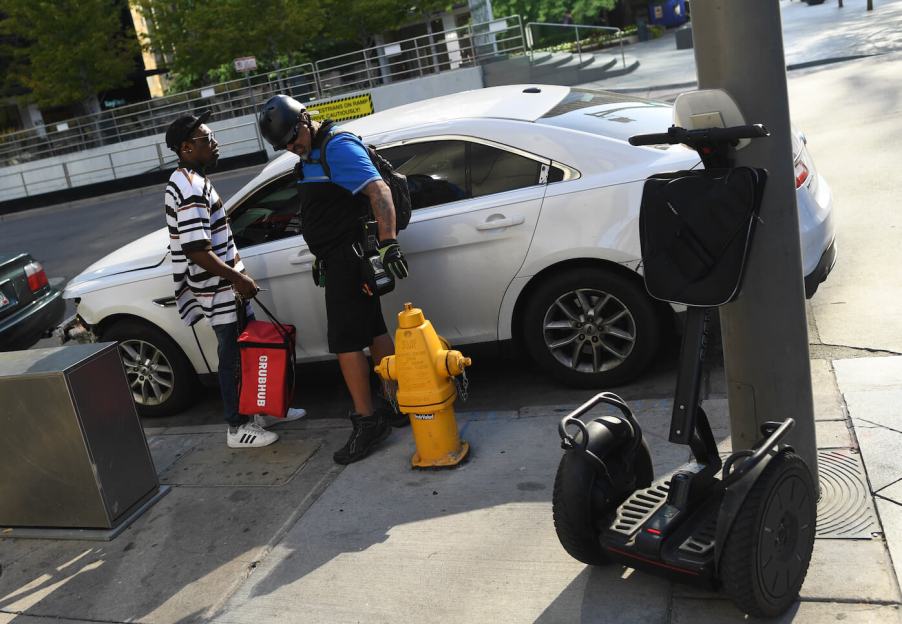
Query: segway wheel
{"type": "Point", "coordinates": [583, 504]}
{"type": "Point", "coordinates": [768, 549]}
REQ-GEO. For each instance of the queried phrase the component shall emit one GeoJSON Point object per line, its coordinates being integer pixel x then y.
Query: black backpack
{"type": "Point", "coordinates": [397, 183]}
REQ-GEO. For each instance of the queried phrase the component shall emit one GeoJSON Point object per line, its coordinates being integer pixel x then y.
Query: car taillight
{"type": "Point", "coordinates": [37, 278]}
{"type": "Point", "coordinates": [805, 172]}
{"type": "Point", "coordinates": [801, 173]}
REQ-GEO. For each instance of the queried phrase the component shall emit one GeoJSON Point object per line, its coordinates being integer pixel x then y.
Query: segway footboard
{"type": "Point", "coordinates": [684, 554]}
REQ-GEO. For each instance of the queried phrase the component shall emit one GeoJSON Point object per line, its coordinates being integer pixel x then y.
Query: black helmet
{"type": "Point", "coordinates": [279, 120]}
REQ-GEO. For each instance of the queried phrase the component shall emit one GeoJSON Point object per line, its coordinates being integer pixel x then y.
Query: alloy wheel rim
{"type": "Point", "coordinates": [148, 372]}
{"type": "Point", "coordinates": [589, 330]}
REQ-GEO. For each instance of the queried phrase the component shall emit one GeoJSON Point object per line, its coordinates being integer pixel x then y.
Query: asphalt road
{"type": "Point", "coordinates": [68, 238]}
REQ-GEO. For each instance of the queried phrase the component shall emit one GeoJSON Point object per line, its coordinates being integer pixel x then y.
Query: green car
{"type": "Point", "coordinates": [29, 306]}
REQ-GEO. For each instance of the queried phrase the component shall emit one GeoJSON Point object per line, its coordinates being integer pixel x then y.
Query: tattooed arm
{"type": "Point", "coordinates": [383, 209]}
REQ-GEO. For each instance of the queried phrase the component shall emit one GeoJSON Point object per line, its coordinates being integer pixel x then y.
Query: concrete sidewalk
{"type": "Point", "coordinates": [282, 534]}
{"type": "Point", "coordinates": [812, 35]}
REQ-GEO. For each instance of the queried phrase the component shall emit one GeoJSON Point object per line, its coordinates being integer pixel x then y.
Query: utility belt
{"type": "Point", "coordinates": [375, 280]}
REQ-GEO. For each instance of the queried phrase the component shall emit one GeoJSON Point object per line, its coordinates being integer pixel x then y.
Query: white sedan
{"type": "Point", "coordinates": [525, 227]}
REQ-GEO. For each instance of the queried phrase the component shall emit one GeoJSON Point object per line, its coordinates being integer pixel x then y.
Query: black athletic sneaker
{"type": "Point", "coordinates": [388, 412]}
{"type": "Point", "coordinates": [368, 432]}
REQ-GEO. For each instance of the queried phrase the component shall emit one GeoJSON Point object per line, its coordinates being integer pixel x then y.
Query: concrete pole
{"type": "Point", "coordinates": [739, 48]}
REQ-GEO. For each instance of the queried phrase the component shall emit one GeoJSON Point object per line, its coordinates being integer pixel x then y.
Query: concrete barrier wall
{"type": "Point", "coordinates": [424, 88]}
{"type": "Point", "coordinates": [236, 137]}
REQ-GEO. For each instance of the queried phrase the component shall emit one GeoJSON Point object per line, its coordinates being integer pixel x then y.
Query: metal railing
{"type": "Point", "coordinates": [230, 99]}
{"type": "Point", "coordinates": [466, 46]}
{"type": "Point", "coordinates": [419, 56]}
{"type": "Point", "coordinates": [532, 45]}
{"type": "Point", "coordinates": [32, 182]}
{"type": "Point", "coordinates": [226, 100]}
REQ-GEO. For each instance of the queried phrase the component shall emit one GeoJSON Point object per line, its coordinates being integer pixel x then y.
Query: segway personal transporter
{"type": "Point", "coordinates": [744, 526]}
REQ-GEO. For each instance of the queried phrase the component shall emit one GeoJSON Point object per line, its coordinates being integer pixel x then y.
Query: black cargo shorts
{"type": "Point", "coordinates": [353, 317]}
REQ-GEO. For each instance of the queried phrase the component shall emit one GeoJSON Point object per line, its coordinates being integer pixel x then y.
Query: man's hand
{"type": "Point", "coordinates": [244, 286]}
{"type": "Point", "coordinates": [319, 273]}
{"type": "Point", "coordinates": [393, 258]}
{"type": "Point", "coordinates": [210, 262]}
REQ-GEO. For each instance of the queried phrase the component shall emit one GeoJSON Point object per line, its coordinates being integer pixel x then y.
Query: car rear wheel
{"type": "Point", "coordinates": [591, 327]}
{"type": "Point", "coordinates": [159, 375]}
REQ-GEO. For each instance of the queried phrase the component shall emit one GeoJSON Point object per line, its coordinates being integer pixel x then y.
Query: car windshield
{"type": "Point", "coordinates": [608, 114]}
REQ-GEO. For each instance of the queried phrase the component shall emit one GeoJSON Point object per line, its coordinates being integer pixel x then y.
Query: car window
{"type": "Point", "coordinates": [439, 172]}
{"type": "Point", "coordinates": [269, 214]}
{"type": "Point", "coordinates": [493, 170]}
{"type": "Point", "coordinates": [436, 171]}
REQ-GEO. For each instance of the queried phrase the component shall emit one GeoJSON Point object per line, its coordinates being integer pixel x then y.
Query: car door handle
{"type": "Point", "coordinates": [496, 222]}
{"type": "Point", "coordinates": [303, 257]}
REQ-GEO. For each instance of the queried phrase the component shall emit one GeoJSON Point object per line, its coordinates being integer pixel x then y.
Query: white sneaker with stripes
{"type": "Point", "coordinates": [266, 421]}
{"type": "Point", "coordinates": [250, 435]}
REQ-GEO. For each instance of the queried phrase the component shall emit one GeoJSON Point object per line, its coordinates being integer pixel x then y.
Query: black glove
{"type": "Point", "coordinates": [393, 258]}
{"type": "Point", "coordinates": [319, 273]}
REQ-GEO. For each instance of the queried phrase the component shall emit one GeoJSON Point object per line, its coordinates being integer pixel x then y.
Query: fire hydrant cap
{"type": "Point", "coordinates": [410, 317]}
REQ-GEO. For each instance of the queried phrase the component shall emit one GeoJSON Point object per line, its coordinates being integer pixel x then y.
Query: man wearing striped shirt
{"type": "Point", "coordinates": [207, 269]}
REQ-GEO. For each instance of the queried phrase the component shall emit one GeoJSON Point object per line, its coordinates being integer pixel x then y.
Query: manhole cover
{"type": "Point", "coordinates": [845, 509]}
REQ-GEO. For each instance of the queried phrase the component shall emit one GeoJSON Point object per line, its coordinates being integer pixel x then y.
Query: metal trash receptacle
{"type": "Point", "coordinates": [683, 38]}
{"type": "Point", "coordinates": [73, 457]}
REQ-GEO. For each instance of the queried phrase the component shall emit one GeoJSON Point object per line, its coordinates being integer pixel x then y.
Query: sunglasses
{"type": "Point", "coordinates": [208, 137]}
{"type": "Point", "coordinates": [292, 136]}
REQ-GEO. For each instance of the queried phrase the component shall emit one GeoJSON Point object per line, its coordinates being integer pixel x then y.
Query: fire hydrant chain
{"type": "Point", "coordinates": [390, 390]}
{"type": "Point", "coordinates": [462, 384]}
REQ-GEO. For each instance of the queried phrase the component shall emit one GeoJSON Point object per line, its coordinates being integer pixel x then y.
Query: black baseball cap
{"type": "Point", "coordinates": [180, 130]}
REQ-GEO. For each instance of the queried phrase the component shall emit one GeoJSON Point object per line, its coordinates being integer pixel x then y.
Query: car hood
{"type": "Point", "coordinates": [144, 253]}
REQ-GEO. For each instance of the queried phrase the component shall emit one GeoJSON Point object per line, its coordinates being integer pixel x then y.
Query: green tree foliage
{"type": "Point", "coordinates": [65, 51]}
{"type": "Point", "coordinates": [201, 38]}
{"type": "Point", "coordinates": [359, 20]}
{"type": "Point", "coordinates": [552, 11]}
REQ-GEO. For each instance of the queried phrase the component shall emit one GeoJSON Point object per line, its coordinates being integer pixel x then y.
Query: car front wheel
{"type": "Point", "coordinates": [159, 375]}
{"type": "Point", "coordinates": [591, 327]}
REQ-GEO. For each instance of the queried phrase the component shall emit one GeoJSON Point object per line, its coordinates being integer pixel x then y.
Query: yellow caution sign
{"type": "Point", "coordinates": [342, 109]}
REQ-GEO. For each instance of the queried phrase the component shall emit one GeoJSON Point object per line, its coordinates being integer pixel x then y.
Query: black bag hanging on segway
{"type": "Point", "coordinates": [696, 229]}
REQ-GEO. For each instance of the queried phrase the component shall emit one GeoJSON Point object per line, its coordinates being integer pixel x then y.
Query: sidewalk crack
{"type": "Point", "coordinates": [874, 425]}
{"type": "Point", "coordinates": [885, 352]}
{"type": "Point", "coordinates": [888, 500]}
{"type": "Point", "coordinates": [888, 485]}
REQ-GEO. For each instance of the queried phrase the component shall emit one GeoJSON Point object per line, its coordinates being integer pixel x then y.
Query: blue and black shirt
{"type": "Point", "coordinates": [332, 206]}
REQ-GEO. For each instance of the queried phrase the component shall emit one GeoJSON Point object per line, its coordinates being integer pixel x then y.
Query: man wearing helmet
{"type": "Point", "coordinates": [332, 206]}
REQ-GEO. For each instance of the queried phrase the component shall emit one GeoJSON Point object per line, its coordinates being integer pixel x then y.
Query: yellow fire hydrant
{"type": "Point", "coordinates": [425, 371]}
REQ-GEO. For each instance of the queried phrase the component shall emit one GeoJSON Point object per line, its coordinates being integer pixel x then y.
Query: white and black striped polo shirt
{"type": "Point", "coordinates": [197, 221]}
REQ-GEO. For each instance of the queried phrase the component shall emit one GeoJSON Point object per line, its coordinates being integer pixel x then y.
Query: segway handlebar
{"type": "Point", "coordinates": [675, 135]}
{"type": "Point", "coordinates": [753, 457]}
{"type": "Point", "coordinates": [573, 419]}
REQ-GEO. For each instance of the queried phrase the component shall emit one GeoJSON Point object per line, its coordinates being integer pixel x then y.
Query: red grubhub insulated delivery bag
{"type": "Point", "coordinates": [267, 367]}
